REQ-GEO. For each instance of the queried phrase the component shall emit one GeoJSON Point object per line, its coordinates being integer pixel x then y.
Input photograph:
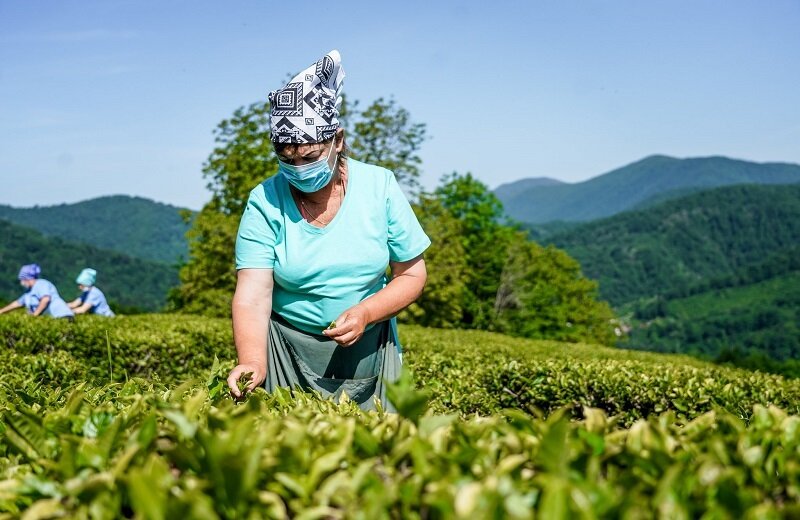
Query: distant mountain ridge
{"type": "Point", "coordinates": [127, 281]}
{"type": "Point", "coordinates": [511, 189]}
{"type": "Point", "coordinates": [653, 178]}
{"type": "Point", "coordinates": [134, 226]}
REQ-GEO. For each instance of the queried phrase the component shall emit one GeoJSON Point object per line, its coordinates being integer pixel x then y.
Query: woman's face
{"type": "Point", "coordinates": [27, 283]}
{"type": "Point", "coordinates": [300, 154]}
{"type": "Point", "coordinates": [83, 287]}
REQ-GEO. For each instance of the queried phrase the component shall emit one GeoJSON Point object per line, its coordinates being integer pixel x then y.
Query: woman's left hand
{"type": "Point", "coordinates": [349, 326]}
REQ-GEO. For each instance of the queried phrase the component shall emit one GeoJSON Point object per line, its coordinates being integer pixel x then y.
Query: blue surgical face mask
{"type": "Point", "coordinates": [309, 177]}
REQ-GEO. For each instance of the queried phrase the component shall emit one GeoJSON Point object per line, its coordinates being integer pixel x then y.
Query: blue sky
{"type": "Point", "coordinates": [102, 97]}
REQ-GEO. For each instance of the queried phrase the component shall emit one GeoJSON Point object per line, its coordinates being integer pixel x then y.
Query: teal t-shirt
{"type": "Point", "coordinates": [321, 272]}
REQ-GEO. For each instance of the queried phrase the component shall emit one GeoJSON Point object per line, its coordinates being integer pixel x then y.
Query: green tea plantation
{"type": "Point", "coordinates": [130, 418]}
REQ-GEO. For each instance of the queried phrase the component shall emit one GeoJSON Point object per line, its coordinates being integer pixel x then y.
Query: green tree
{"type": "Point", "coordinates": [208, 279]}
{"type": "Point", "coordinates": [542, 294]}
{"type": "Point", "coordinates": [484, 241]}
{"type": "Point", "coordinates": [499, 280]}
{"type": "Point", "coordinates": [384, 134]}
{"type": "Point", "coordinates": [241, 159]}
{"type": "Point", "coordinates": [441, 303]}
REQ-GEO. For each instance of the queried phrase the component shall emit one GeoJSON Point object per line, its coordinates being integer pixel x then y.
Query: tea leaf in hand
{"type": "Point", "coordinates": [244, 380]}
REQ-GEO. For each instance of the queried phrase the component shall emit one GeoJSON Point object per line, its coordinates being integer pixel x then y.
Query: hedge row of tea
{"type": "Point", "coordinates": [175, 446]}
{"type": "Point", "coordinates": [464, 371]}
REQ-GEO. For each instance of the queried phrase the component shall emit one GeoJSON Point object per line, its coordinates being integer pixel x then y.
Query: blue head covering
{"type": "Point", "coordinates": [87, 277]}
{"type": "Point", "coordinates": [29, 272]}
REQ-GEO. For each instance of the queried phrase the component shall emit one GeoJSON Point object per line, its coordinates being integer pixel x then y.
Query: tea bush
{"type": "Point", "coordinates": [130, 418]}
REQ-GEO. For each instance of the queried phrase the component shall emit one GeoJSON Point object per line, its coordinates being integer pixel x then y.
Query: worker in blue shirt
{"type": "Point", "coordinates": [41, 297]}
{"type": "Point", "coordinates": [313, 307]}
{"type": "Point", "coordinates": [92, 300]}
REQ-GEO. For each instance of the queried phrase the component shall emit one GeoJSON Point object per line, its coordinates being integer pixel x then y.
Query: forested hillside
{"type": "Point", "coordinates": [714, 274]}
{"type": "Point", "coordinates": [677, 244]}
{"type": "Point", "coordinates": [647, 180]}
{"type": "Point", "coordinates": [134, 226]}
{"type": "Point", "coordinates": [750, 318]}
{"type": "Point", "coordinates": [127, 281]}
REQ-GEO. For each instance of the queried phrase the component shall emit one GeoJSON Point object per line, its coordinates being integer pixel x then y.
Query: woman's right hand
{"type": "Point", "coordinates": [257, 379]}
{"type": "Point", "coordinates": [251, 308]}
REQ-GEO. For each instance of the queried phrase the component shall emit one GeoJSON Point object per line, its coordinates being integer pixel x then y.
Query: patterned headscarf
{"type": "Point", "coordinates": [29, 272]}
{"type": "Point", "coordinates": [306, 109]}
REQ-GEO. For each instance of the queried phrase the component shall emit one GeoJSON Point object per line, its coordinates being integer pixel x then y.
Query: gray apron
{"type": "Point", "coordinates": [316, 363]}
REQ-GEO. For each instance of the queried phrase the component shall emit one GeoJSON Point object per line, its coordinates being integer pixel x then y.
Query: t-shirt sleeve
{"type": "Point", "coordinates": [41, 289]}
{"type": "Point", "coordinates": [255, 242]}
{"type": "Point", "coordinates": [94, 298]}
{"type": "Point", "coordinates": [406, 237]}
{"type": "Point", "coordinates": [22, 300]}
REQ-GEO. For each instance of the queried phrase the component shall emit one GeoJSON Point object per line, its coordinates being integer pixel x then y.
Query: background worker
{"type": "Point", "coordinates": [92, 300]}
{"type": "Point", "coordinates": [40, 298]}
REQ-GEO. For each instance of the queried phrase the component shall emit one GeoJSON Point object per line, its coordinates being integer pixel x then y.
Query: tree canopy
{"type": "Point", "coordinates": [484, 273]}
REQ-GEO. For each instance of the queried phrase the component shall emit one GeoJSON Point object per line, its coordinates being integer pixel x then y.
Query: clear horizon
{"type": "Point", "coordinates": [493, 188]}
{"type": "Point", "coordinates": [105, 97]}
